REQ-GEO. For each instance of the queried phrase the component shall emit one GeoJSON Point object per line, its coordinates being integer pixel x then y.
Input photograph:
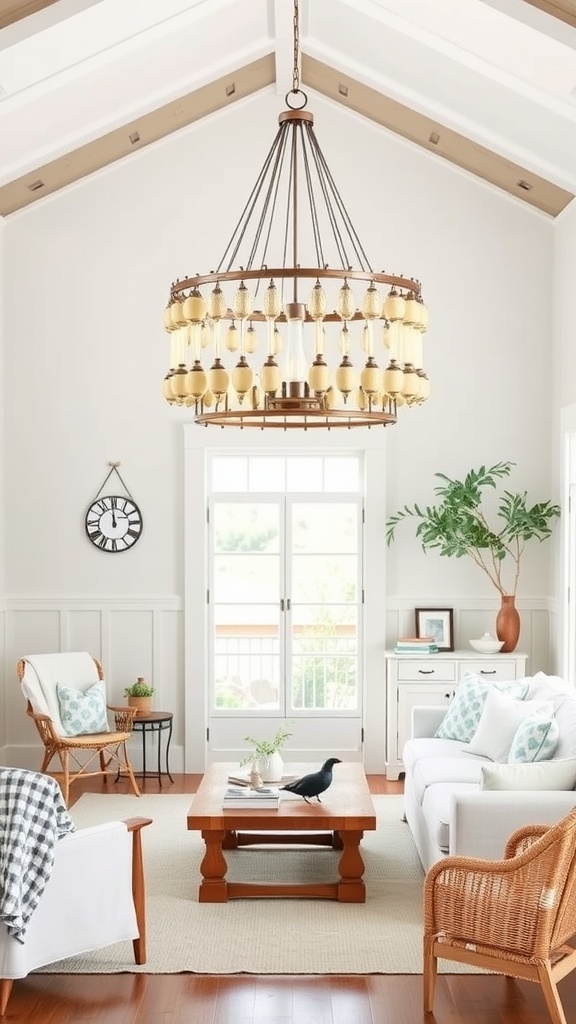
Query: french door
{"type": "Point", "coordinates": [285, 603]}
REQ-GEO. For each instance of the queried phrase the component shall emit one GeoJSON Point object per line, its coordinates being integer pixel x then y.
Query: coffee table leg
{"type": "Point", "coordinates": [213, 888]}
{"type": "Point", "coordinates": [351, 888]}
{"type": "Point", "coordinates": [230, 841]}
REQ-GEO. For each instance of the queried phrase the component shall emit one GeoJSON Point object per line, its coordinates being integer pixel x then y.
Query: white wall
{"type": "Point", "coordinates": [562, 355]}
{"type": "Point", "coordinates": [87, 275]}
{"type": "Point", "coordinates": [2, 518]}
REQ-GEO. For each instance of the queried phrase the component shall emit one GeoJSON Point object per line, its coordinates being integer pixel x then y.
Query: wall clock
{"type": "Point", "coordinates": [113, 522]}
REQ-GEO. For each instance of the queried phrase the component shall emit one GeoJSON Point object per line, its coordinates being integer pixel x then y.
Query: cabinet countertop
{"type": "Point", "coordinates": [457, 655]}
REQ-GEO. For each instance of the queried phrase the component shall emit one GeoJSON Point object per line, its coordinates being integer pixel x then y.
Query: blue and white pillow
{"type": "Point", "coordinates": [535, 739]}
{"type": "Point", "coordinates": [82, 712]}
{"type": "Point", "coordinates": [465, 710]}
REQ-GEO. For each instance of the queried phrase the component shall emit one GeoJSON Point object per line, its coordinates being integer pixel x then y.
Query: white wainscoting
{"type": "Point", "coordinates": [145, 637]}
{"type": "Point", "coordinates": [131, 637]}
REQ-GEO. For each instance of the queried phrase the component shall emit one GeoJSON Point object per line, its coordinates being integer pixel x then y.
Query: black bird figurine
{"type": "Point", "coordinates": [315, 783]}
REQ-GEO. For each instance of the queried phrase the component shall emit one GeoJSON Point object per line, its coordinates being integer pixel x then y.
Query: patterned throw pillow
{"type": "Point", "coordinates": [465, 710]}
{"type": "Point", "coordinates": [500, 720]}
{"type": "Point", "coordinates": [82, 712]}
{"type": "Point", "coordinates": [535, 739]}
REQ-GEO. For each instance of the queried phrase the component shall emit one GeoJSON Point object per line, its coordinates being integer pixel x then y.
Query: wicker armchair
{"type": "Point", "coordinates": [513, 916]}
{"type": "Point", "coordinates": [103, 753]}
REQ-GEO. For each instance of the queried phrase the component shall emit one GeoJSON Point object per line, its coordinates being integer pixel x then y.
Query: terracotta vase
{"type": "Point", "coordinates": [508, 623]}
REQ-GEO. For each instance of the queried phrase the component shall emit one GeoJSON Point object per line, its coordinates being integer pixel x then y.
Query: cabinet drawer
{"type": "Point", "coordinates": [498, 670]}
{"type": "Point", "coordinates": [418, 669]}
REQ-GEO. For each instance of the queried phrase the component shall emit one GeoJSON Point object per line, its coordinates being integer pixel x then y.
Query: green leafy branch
{"type": "Point", "coordinates": [264, 748]}
{"type": "Point", "coordinates": [458, 526]}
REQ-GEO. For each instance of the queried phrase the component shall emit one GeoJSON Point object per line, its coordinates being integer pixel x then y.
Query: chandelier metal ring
{"type": "Point", "coordinates": [294, 93]}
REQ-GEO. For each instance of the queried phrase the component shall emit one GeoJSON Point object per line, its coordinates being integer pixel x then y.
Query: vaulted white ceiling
{"type": "Point", "coordinates": [487, 84]}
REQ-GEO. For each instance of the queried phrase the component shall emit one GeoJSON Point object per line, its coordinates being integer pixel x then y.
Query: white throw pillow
{"type": "Point", "coordinates": [535, 739]}
{"type": "Point", "coordinates": [465, 709]}
{"type": "Point", "coordinates": [557, 774]}
{"type": "Point", "coordinates": [499, 721]}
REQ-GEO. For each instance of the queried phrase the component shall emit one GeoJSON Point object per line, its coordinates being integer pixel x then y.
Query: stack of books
{"type": "Point", "coordinates": [265, 799]}
{"type": "Point", "coordinates": [416, 645]}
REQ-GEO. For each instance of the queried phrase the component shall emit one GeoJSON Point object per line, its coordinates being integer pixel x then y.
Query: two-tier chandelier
{"type": "Point", "coordinates": [352, 367]}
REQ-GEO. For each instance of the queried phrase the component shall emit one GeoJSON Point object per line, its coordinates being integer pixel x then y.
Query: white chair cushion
{"type": "Point", "coordinates": [44, 671]}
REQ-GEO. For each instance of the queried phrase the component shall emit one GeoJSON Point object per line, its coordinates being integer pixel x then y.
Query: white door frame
{"type": "Point", "coordinates": [196, 441]}
{"type": "Point", "coordinates": [568, 567]}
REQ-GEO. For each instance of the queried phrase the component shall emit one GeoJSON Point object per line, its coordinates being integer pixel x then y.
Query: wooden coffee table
{"type": "Point", "coordinates": [340, 821]}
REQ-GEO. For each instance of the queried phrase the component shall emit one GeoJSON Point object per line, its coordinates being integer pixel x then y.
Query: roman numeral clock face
{"type": "Point", "coordinates": [113, 524]}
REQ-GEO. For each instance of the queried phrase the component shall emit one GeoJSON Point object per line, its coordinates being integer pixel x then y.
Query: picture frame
{"type": "Point", "coordinates": [437, 623]}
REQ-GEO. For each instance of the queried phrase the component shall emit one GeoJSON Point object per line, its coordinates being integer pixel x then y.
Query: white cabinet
{"type": "Point", "coordinates": [413, 679]}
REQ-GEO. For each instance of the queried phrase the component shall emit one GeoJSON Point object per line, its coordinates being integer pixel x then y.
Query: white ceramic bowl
{"type": "Point", "coordinates": [487, 645]}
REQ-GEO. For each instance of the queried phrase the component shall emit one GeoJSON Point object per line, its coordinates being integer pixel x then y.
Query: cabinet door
{"type": "Point", "coordinates": [413, 694]}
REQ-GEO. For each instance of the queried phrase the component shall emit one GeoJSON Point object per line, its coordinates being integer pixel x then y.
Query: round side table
{"type": "Point", "coordinates": [154, 721]}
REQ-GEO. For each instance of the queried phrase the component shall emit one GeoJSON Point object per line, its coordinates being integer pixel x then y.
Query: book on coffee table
{"type": "Point", "coordinates": [241, 796]}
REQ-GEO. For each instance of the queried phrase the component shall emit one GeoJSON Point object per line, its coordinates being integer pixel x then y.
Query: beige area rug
{"type": "Point", "coordinates": [264, 936]}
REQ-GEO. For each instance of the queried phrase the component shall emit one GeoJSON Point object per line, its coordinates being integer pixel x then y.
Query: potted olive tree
{"type": "Point", "coordinates": [459, 525]}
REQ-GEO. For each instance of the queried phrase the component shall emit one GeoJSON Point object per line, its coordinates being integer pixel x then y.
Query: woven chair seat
{"type": "Point", "coordinates": [96, 740]}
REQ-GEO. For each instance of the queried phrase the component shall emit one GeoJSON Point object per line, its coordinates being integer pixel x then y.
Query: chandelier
{"type": "Point", "coordinates": [294, 349]}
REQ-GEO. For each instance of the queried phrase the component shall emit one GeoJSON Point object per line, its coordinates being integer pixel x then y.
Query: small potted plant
{"type": "Point", "coordinates": [140, 696]}
{"type": "Point", "coordinates": [266, 756]}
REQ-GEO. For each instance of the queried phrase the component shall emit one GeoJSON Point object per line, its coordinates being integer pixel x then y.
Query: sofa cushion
{"type": "Point", "coordinates": [535, 739]}
{"type": "Point", "coordinates": [499, 721]}
{"type": "Point", "coordinates": [565, 714]}
{"type": "Point", "coordinates": [453, 770]}
{"type": "Point", "coordinates": [539, 775]}
{"type": "Point", "coordinates": [430, 746]}
{"type": "Point", "coordinates": [436, 810]}
{"type": "Point", "coordinates": [465, 709]}
{"type": "Point", "coordinates": [544, 686]}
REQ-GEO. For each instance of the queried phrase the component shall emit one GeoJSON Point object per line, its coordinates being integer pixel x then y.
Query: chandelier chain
{"type": "Point", "coordinates": [296, 69]}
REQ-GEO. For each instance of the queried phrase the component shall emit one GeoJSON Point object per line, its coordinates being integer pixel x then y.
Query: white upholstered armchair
{"type": "Point", "coordinates": [62, 892]}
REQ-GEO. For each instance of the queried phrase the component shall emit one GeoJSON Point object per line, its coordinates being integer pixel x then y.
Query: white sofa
{"type": "Point", "coordinates": [447, 806]}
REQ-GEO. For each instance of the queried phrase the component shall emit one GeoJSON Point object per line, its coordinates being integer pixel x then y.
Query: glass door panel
{"type": "Point", "coordinates": [285, 600]}
{"type": "Point", "coordinates": [245, 605]}
{"type": "Point", "coordinates": [325, 583]}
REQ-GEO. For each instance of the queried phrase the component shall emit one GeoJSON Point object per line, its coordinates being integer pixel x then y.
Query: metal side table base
{"type": "Point", "coordinates": [154, 722]}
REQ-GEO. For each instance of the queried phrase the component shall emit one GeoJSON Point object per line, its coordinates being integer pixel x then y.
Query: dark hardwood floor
{"type": "Point", "coordinates": [286, 999]}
